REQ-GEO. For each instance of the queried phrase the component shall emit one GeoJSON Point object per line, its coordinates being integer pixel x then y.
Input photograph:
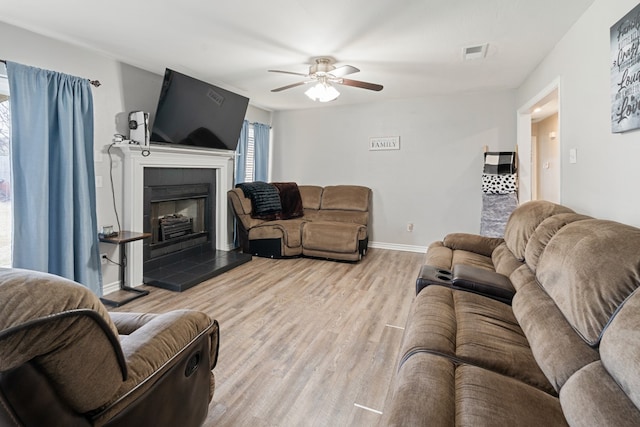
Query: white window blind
{"type": "Point", "coordinates": [250, 156]}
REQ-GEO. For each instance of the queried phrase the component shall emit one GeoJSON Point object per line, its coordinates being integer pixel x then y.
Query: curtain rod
{"type": "Point", "coordinates": [95, 83]}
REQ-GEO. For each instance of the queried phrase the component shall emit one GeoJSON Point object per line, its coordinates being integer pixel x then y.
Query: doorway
{"type": "Point", "coordinates": [539, 146]}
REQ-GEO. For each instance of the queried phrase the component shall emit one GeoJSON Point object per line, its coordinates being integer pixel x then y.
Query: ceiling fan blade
{"type": "Point", "coordinates": [288, 86]}
{"type": "Point", "coordinates": [344, 70]}
{"type": "Point", "coordinates": [358, 83]}
{"type": "Point", "coordinates": [288, 72]}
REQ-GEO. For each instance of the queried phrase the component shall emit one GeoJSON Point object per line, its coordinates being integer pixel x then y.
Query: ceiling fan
{"type": "Point", "coordinates": [324, 74]}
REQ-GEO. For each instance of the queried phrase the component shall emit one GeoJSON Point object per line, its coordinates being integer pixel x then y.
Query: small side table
{"type": "Point", "coordinates": [121, 239]}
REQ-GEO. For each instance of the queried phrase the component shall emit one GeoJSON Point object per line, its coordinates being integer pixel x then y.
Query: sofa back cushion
{"type": "Point", "coordinates": [607, 392]}
{"type": "Point", "coordinates": [346, 197]}
{"type": "Point", "coordinates": [343, 203]}
{"type": "Point", "coordinates": [543, 234]}
{"type": "Point", "coordinates": [523, 222]}
{"type": "Point", "coordinates": [558, 350]}
{"type": "Point", "coordinates": [620, 348]}
{"type": "Point", "coordinates": [589, 268]}
{"type": "Point", "coordinates": [311, 196]}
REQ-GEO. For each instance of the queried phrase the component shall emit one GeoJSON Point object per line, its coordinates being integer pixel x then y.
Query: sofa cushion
{"type": "Point", "coordinates": [523, 222]}
{"type": "Point", "coordinates": [608, 392]}
{"type": "Point", "coordinates": [346, 197]}
{"type": "Point", "coordinates": [311, 196]}
{"type": "Point", "coordinates": [592, 398]}
{"type": "Point", "coordinates": [330, 236]}
{"type": "Point", "coordinates": [424, 393]}
{"type": "Point", "coordinates": [620, 348]}
{"type": "Point", "coordinates": [472, 329]}
{"type": "Point", "coordinates": [589, 268]}
{"type": "Point", "coordinates": [558, 350]}
{"type": "Point", "coordinates": [543, 234]}
{"type": "Point", "coordinates": [503, 260]}
{"type": "Point", "coordinates": [433, 390]}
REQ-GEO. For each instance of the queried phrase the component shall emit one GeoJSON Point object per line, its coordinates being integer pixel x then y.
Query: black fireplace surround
{"type": "Point", "coordinates": [180, 214]}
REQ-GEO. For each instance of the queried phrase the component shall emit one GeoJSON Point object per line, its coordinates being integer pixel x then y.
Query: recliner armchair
{"type": "Point", "coordinates": [66, 361]}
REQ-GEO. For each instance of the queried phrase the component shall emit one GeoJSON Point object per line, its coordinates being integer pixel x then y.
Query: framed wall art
{"type": "Point", "coordinates": [625, 72]}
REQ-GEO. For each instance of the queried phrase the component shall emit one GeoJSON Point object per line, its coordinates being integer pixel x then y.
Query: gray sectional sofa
{"type": "Point", "coordinates": [566, 351]}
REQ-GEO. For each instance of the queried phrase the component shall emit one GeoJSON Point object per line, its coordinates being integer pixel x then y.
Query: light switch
{"type": "Point", "coordinates": [573, 155]}
{"type": "Point", "coordinates": [98, 181]}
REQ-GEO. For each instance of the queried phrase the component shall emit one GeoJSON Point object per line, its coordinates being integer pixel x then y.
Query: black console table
{"type": "Point", "coordinates": [121, 239]}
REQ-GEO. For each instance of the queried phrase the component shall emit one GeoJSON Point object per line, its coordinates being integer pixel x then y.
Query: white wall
{"type": "Point", "coordinates": [433, 181]}
{"type": "Point", "coordinates": [124, 88]}
{"type": "Point", "coordinates": [602, 182]}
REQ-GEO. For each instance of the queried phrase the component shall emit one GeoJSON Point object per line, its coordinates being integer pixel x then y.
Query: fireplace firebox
{"type": "Point", "coordinates": [179, 213]}
{"type": "Point", "coordinates": [179, 217]}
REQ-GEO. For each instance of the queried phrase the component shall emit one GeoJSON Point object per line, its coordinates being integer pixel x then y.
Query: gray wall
{"type": "Point", "coordinates": [433, 181]}
{"type": "Point", "coordinates": [602, 182]}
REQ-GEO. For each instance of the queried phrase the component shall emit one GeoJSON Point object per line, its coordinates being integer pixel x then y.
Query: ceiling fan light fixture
{"type": "Point", "coordinates": [323, 92]}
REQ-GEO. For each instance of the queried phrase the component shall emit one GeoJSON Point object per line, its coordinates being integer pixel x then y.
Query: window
{"type": "Point", "coordinates": [5, 171]}
{"type": "Point", "coordinates": [250, 156]}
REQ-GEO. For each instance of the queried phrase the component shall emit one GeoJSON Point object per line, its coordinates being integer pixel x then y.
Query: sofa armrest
{"type": "Point", "coordinates": [127, 323]}
{"type": "Point", "coordinates": [483, 282]}
{"type": "Point", "coordinates": [167, 354]}
{"type": "Point", "coordinates": [241, 207]}
{"type": "Point", "coordinates": [472, 243]}
{"type": "Point", "coordinates": [150, 340]}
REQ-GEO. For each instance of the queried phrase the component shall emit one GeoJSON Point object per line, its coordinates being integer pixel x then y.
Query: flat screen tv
{"type": "Point", "coordinates": [198, 114]}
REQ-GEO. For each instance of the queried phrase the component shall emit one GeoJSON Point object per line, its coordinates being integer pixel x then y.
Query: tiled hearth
{"type": "Point", "coordinates": [179, 273]}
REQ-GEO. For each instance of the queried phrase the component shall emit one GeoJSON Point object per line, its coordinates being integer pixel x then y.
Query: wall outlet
{"type": "Point", "coordinates": [409, 227]}
{"type": "Point", "coordinates": [103, 258]}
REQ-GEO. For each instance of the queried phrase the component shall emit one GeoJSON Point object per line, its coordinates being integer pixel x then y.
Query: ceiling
{"type": "Point", "coordinates": [412, 47]}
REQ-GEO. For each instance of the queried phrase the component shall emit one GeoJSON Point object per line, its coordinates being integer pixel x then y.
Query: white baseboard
{"type": "Point", "coordinates": [108, 288]}
{"type": "Point", "coordinates": [398, 247]}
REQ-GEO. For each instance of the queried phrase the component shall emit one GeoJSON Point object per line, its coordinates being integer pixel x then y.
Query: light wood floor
{"type": "Point", "coordinates": [303, 342]}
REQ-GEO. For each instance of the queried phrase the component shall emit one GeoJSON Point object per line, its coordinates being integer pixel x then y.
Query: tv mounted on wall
{"type": "Point", "coordinates": [198, 114]}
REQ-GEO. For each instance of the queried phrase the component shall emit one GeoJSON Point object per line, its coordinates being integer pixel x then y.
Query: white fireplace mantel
{"type": "Point", "coordinates": [165, 156]}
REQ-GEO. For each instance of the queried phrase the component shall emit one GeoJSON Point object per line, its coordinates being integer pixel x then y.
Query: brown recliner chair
{"type": "Point", "coordinates": [66, 361]}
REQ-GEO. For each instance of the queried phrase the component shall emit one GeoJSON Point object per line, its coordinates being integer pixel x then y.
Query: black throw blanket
{"type": "Point", "coordinates": [265, 200]}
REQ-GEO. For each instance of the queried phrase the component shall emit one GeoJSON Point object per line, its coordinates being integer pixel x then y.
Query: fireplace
{"type": "Point", "coordinates": [179, 196]}
{"type": "Point", "coordinates": [179, 210]}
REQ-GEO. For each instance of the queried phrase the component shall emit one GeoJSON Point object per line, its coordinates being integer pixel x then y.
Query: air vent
{"type": "Point", "coordinates": [474, 52]}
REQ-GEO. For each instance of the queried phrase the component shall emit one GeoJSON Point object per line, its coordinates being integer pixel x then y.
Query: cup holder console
{"type": "Point", "coordinates": [430, 275]}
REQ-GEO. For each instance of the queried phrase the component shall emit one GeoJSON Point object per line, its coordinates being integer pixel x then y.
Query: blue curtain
{"type": "Point", "coordinates": [54, 196]}
{"type": "Point", "coordinates": [261, 141]}
{"type": "Point", "coordinates": [241, 153]}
